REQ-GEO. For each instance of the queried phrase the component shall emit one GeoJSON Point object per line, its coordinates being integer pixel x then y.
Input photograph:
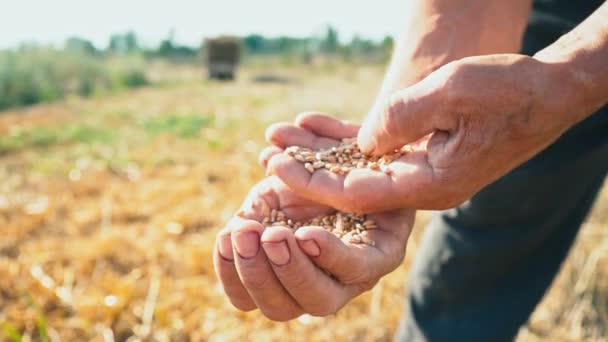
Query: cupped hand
{"type": "Point", "coordinates": [484, 116]}
{"type": "Point", "coordinates": [472, 120]}
{"type": "Point", "coordinates": [361, 190]}
{"type": "Point", "coordinates": [286, 273]}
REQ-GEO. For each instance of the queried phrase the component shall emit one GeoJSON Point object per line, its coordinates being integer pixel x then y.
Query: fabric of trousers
{"type": "Point", "coordinates": [481, 268]}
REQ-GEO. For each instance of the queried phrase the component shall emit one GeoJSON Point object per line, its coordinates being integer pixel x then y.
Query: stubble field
{"type": "Point", "coordinates": [109, 208]}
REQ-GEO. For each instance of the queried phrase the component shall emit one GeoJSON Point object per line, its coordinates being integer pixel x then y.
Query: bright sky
{"type": "Point", "coordinates": [52, 21]}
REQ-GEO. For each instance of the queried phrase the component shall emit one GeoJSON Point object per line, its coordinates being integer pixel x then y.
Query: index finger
{"type": "Point", "coordinates": [360, 191]}
{"type": "Point", "coordinates": [326, 126]}
{"type": "Point", "coordinates": [407, 182]}
{"type": "Point", "coordinates": [312, 130]}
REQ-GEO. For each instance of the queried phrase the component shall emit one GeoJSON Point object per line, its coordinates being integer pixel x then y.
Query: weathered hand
{"type": "Point", "coordinates": [361, 190]}
{"type": "Point", "coordinates": [474, 120]}
{"type": "Point", "coordinates": [286, 274]}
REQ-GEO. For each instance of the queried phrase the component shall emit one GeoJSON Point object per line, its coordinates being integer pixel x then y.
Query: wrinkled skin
{"type": "Point", "coordinates": [472, 121]}
{"type": "Point", "coordinates": [286, 274]}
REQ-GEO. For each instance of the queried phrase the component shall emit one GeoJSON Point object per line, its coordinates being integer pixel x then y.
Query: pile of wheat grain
{"type": "Point", "coordinates": [343, 158]}
{"type": "Point", "coordinates": [350, 227]}
{"type": "Point", "coordinates": [339, 159]}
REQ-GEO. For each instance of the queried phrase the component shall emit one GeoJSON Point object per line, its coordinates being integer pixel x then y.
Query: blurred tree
{"type": "Point", "coordinates": [387, 43]}
{"type": "Point", "coordinates": [168, 48]}
{"type": "Point", "coordinates": [123, 43]}
{"type": "Point", "coordinates": [330, 43]}
{"type": "Point", "coordinates": [254, 43]}
{"type": "Point", "coordinates": [82, 45]}
{"type": "Point", "coordinates": [360, 46]}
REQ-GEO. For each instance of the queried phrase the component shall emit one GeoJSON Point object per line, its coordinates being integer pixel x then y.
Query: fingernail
{"type": "Point", "coordinates": [362, 135]}
{"type": "Point", "coordinates": [225, 247]}
{"type": "Point", "coordinates": [247, 244]}
{"type": "Point", "coordinates": [277, 252]}
{"type": "Point", "coordinates": [364, 145]}
{"type": "Point", "coordinates": [310, 247]}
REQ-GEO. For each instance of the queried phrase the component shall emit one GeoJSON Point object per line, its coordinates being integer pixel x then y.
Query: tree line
{"type": "Point", "coordinates": [31, 74]}
{"type": "Point", "coordinates": [252, 45]}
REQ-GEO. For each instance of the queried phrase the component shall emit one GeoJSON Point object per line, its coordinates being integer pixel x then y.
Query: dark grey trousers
{"type": "Point", "coordinates": [483, 267]}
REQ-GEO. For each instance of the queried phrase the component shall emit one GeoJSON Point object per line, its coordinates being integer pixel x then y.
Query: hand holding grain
{"type": "Point", "coordinates": [469, 123]}
{"type": "Point", "coordinates": [361, 184]}
{"type": "Point", "coordinates": [286, 272]}
{"type": "Point", "coordinates": [482, 116]}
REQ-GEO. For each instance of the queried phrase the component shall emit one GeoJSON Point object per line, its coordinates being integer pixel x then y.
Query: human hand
{"type": "Point", "coordinates": [361, 190]}
{"type": "Point", "coordinates": [286, 273]}
{"type": "Point", "coordinates": [473, 120]}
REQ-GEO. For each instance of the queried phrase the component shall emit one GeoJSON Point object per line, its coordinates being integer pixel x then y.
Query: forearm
{"type": "Point", "coordinates": [579, 65]}
{"type": "Point", "coordinates": [440, 31]}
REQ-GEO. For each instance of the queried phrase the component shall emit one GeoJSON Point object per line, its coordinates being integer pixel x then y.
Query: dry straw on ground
{"type": "Point", "coordinates": [91, 252]}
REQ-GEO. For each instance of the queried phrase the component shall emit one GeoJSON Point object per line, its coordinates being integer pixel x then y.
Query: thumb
{"type": "Point", "coordinates": [349, 264]}
{"type": "Point", "coordinates": [407, 116]}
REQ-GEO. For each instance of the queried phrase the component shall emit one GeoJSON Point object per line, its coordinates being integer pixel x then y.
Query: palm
{"type": "Point", "coordinates": [319, 284]}
{"type": "Point", "coordinates": [361, 190]}
{"type": "Point", "coordinates": [273, 194]}
{"type": "Point", "coordinates": [318, 281]}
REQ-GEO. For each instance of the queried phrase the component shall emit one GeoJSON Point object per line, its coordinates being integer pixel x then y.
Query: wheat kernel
{"type": "Point", "coordinates": [367, 240]}
{"type": "Point", "coordinates": [318, 164]}
{"type": "Point", "coordinates": [339, 224]}
{"type": "Point", "coordinates": [355, 239]}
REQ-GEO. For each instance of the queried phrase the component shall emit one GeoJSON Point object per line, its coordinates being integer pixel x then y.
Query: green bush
{"type": "Point", "coordinates": [30, 75]}
{"type": "Point", "coordinates": [132, 78]}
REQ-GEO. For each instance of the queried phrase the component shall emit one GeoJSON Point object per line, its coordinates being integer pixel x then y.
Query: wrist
{"type": "Point", "coordinates": [568, 87]}
{"type": "Point", "coordinates": [578, 62]}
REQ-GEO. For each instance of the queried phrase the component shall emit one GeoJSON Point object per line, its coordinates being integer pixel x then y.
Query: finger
{"type": "Point", "coordinates": [268, 153]}
{"type": "Point", "coordinates": [361, 191]}
{"type": "Point", "coordinates": [315, 291]}
{"type": "Point", "coordinates": [284, 135]}
{"type": "Point", "coordinates": [223, 262]}
{"type": "Point", "coordinates": [347, 262]}
{"type": "Point", "coordinates": [359, 263]}
{"type": "Point", "coordinates": [257, 276]}
{"type": "Point", "coordinates": [326, 126]}
{"type": "Point", "coordinates": [321, 186]}
{"type": "Point", "coordinates": [407, 116]}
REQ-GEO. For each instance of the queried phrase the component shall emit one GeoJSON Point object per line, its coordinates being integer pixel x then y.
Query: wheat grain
{"type": "Point", "coordinates": [339, 159]}
{"type": "Point", "coordinates": [340, 224]}
{"type": "Point", "coordinates": [343, 158]}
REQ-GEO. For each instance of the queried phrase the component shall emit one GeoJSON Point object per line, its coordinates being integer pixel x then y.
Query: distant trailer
{"type": "Point", "coordinates": [222, 57]}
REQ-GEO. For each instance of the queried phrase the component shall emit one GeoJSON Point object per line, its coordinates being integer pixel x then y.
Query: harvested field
{"type": "Point", "coordinates": [109, 208]}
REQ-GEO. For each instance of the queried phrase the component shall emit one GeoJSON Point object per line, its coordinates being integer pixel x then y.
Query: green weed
{"type": "Point", "coordinates": [182, 125]}
{"type": "Point", "coordinates": [47, 136]}
{"type": "Point", "coordinates": [11, 332]}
